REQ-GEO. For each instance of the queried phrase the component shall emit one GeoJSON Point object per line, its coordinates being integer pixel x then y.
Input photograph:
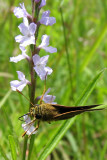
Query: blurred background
{"type": "Point", "coordinates": [80, 37]}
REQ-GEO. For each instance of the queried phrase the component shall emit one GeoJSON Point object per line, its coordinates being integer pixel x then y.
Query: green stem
{"type": "Point", "coordinates": [25, 147]}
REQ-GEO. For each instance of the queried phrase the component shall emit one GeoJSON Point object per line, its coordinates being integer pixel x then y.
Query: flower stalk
{"type": "Point", "coordinates": [29, 29]}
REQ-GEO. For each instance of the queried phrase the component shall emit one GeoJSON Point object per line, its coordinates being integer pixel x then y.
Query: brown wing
{"type": "Point", "coordinates": [71, 114]}
{"type": "Point", "coordinates": [63, 109]}
{"type": "Point", "coordinates": [65, 112]}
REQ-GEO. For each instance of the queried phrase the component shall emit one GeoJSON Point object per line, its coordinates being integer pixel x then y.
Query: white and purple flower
{"type": "Point", "coordinates": [20, 12]}
{"type": "Point", "coordinates": [19, 85]}
{"type": "Point", "coordinates": [44, 45]}
{"type": "Point", "coordinates": [43, 3]}
{"type": "Point", "coordinates": [28, 31]}
{"type": "Point", "coordinates": [40, 66]}
{"type": "Point", "coordinates": [27, 126]}
{"type": "Point", "coordinates": [46, 19]}
{"type": "Point", "coordinates": [49, 98]}
{"type": "Point", "coordinates": [21, 56]}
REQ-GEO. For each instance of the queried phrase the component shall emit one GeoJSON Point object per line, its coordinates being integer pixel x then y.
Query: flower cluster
{"type": "Point", "coordinates": [29, 31]}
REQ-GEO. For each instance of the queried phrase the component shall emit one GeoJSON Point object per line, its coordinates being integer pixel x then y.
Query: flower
{"type": "Point", "coordinates": [21, 56]}
{"type": "Point", "coordinates": [28, 30]}
{"type": "Point", "coordinates": [45, 43]}
{"type": "Point", "coordinates": [43, 3]}
{"type": "Point", "coordinates": [20, 12]}
{"type": "Point", "coordinates": [40, 68]}
{"type": "Point", "coordinates": [48, 98]}
{"type": "Point", "coordinates": [19, 85]}
{"type": "Point", "coordinates": [46, 20]}
{"type": "Point", "coordinates": [27, 126]}
{"type": "Point", "coordinates": [37, 1]}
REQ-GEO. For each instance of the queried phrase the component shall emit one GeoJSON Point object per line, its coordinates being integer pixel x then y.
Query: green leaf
{"type": "Point", "coordinates": [3, 153]}
{"type": "Point", "coordinates": [12, 147]}
{"type": "Point", "coordinates": [94, 47]}
{"type": "Point", "coordinates": [84, 96]}
{"type": "Point", "coordinates": [5, 98]}
{"type": "Point", "coordinates": [68, 123]}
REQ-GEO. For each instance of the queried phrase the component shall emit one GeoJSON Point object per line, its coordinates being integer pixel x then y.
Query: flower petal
{"type": "Point", "coordinates": [43, 60]}
{"type": "Point", "coordinates": [27, 126]}
{"type": "Point", "coordinates": [37, 1]}
{"type": "Point", "coordinates": [17, 58]}
{"type": "Point", "coordinates": [45, 41]}
{"type": "Point", "coordinates": [48, 70]}
{"type": "Point", "coordinates": [28, 31]}
{"type": "Point", "coordinates": [43, 3]}
{"type": "Point", "coordinates": [46, 14]}
{"type": "Point", "coordinates": [23, 29]}
{"type": "Point", "coordinates": [17, 85]}
{"type": "Point", "coordinates": [21, 76]}
{"type": "Point", "coordinates": [20, 12]}
{"type": "Point", "coordinates": [27, 41]}
{"type": "Point", "coordinates": [49, 98]}
{"type": "Point", "coordinates": [19, 38]}
{"type": "Point", "coordinates": [49, 89]}
{"type": "Point", "coordinates": [48, 21]}
{"type": "Point", "coordinates": [50, 49]}
{"type": "Point", "coordinates": [36, 59]}
{"type": "Point", "coordinates": [40, 72]}
{"type": "Point", "coordinates": [32, 28]}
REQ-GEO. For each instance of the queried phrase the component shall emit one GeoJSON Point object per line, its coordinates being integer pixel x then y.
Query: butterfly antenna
{"type": "Point", "coordinates": [25, 97]}
{"type": "Point", "coordinates": [23, 116]}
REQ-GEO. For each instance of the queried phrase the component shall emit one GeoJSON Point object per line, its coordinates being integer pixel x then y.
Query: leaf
{"type": "Point", "coordinates": [68, 123]}
{"type": "Point", "coordinates": [94, 47]}
{"type": "Point", "coordinates": [12, 147]}
{"type": "Point", "coordinates": [5, 98]}
{"type": "Point", "coordinates": [3, 153]}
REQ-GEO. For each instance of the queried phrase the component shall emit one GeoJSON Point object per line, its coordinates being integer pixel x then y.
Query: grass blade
{"type": "Point", "coordinates": [12, 147]}
{"type": "Point", "coordinates": [93, 49]}
{"type": "Point", "coordinates": [5, 98]}
{"type": "Point", "coordinates": [3, 153]}
{"type": "Point", "coordinates": [68, 123]}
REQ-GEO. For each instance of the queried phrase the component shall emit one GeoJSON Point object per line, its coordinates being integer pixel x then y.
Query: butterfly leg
{"type": "Point", "coordinates": [36, 128]}
{"type": "Point", "coordinates": [29, 125]}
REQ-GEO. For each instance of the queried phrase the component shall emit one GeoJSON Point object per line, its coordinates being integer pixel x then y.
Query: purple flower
{"type": "Point", "coordinates": [45, 43]}
{"type": "Point", "coordinates": [46, 20]}
{"type": "Point", "coordinates": [19, 84]}
{"type": "Point", "coordinates": [20, 12]}
{"type": "Point", "coordinates": [27, 126]}
{"type": "Point", "coordinates": [21, 56]}
{"type": "Point", "coordinates": [43, 3]}
{"type": "Point", "coordinates": [37, 1]}
{"type": "Point", "coordinates": [49, 98]}
{"type": "Point", "coordinates": [28, 31]}
{"type": "Point", "coordinates": [40, 68]}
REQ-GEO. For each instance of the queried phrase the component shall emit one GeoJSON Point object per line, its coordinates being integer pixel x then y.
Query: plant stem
{"type": "Point", "coordinates": [25, 147]}
{"type": "Point", "coordinates": [33, 84]}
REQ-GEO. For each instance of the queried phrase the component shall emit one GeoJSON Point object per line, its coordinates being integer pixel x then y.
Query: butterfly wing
{"type": "Point", "coordinates": [65, 112]}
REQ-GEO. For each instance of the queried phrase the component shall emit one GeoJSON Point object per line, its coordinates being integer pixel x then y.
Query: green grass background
{"type": "Point", "coordinates": [79, 78]}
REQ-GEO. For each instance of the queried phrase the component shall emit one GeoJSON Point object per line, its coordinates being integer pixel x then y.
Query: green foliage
{"type": "Point", "coordinates": [80, 33]}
